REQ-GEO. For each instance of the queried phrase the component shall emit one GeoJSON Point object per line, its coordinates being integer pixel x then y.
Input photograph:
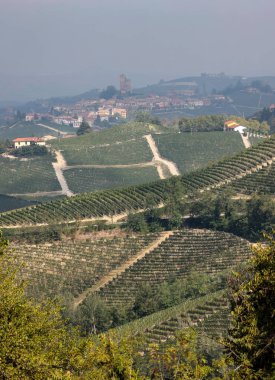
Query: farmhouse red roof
{"type": "Point", "coordinates": [31, 139]}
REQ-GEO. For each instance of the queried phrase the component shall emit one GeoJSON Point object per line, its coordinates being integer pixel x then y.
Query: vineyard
{"type": "Point", "coordinates": [67, 267]}
{"type": "Point", "coordinates": [19, 176]}
{"type": "Point", "coordinates": [183, 252]}
{"type": "Point", "coordinates": [260, 182]}
{"type": "Point", "coordinates": [117, 201]}
{"type": "Point", "coordinates": [120, 133]}
{"type": "Point", "coordinates": [192, 151]}
{"type": "Point", "coordinates": [208, 314]}
{"type": "Point", "coordinates": [130, 152]}
{"type": "Point", "coordinates": [86, 180]}
{"type": "Point", "coordinates": [9, 203]}
{"type": "Point", "coordinates": [27, 129]}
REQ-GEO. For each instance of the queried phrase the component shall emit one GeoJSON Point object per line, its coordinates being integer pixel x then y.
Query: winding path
{"type": "Point", "coordinates": [59, 166]}
{"type": "Point", "coordinates": [172, 167]}
{"type": "Point", "coordinates": [53, 129]}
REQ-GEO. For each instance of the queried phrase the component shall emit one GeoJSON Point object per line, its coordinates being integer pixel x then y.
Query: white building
{"type": "Point", "coordinates": [27, 141]}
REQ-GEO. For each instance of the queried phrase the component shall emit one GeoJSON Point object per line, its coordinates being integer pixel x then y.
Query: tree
{"type": "Point", "coordinates": [146, 117]}
{"type": "Point", "coordinates": [251, 341]}
{"type": "Point", "coordinates": [84, 128]}
{"type": "Point", "coordinates": [35, 344]}
{"type": "Point", "coordinates": [108, 93]}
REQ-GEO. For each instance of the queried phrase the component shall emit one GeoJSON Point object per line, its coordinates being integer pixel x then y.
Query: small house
{"type": "Point", "coordinates": [230, 125]}
{"type": "Point", "coordinates": [27, 141]}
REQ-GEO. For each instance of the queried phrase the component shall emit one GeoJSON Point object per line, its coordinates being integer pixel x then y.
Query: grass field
{"type": "Point", "coordinates": [197, 150]}
{"type": "Point", "coordinates": [130, 152]}
{"type": "Point", "coordinates": [86, 180]}
{"type": "Point", "coordinates": [19, 176]}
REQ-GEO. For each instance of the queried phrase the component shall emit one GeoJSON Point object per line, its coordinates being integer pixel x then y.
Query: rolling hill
{"type": "Point", "coordinates": [111, 204]}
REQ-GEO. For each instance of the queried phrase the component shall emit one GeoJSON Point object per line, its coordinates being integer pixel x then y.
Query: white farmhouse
{"type": "Point", "coordinates": [27, 141]}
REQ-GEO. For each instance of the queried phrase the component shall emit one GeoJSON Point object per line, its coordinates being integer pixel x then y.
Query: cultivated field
{"type": "Point", "coordinates": [182, 253]}
{"type": "Point", "coordinates": [27, 129]}
{"type": "Point", "coordinates": [191, 151]}
{"type": "Point", "coordinates": [72, 267]}
{"type": "Point", "coordinates": [87, 180]}
{"type": "Point", "coordinates": [19, 176]}
{"type": "Point", "coordinates": [118, 153]}
{"type": "Point", "coordinates": [112, 202]}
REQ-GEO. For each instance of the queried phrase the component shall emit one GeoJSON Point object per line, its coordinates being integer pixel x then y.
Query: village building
{"type": "Point", "coordinates": [29, 117]}
{"type": "Point", "coordinates": [230, 125]}
{"type": "Point", "coordinates": [27, 141]}
{"type": "Point", "coordinates": [122, 112]}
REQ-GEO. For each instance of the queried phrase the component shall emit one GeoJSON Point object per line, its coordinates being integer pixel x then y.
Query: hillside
{"type": "Point", "coordinates": [11, 203]}
{"type": "Point", "coordinates": [23, 176]}
{"type": "Point", "coordinates": [72, 267]}
{"type": "Point", "coordinates": [114, 204]}
{"type": "Point", "coordinates": [116, 267]}
{"type": "Point", "coordinates": [181, 253]}
{"type": "Point", "coordinates": [125, 155]}
{"type": "Point", "coordinates": [192, 151]}
{"type": "Point", "coordinates": [208, 314]}
{"type": "Point", "coordinates": [39, 129]}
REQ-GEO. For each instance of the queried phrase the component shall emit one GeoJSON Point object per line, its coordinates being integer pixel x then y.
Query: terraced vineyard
{"type": "Point", "coordinates": [20, 176]}
{"type": "Point", "coordinates": [261, 182]}
{"type": "Point", "coordinates": [130, 152]}
{"type": "Point", "coordinates": [112, 202]}
{"type": "Point", "coordinates": [192, 151]}
{"type": "Point", "coordinates": [58, 268]}
{"type": "Point", "coordinates": [208, 314]}
{"type": "Point", "coordinates": [85, 180]}
{"type": "Point", "coordinates": [183, 252]}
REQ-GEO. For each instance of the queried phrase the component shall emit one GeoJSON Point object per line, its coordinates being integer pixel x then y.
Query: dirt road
{"type": "Point", "coordinates": [58, 168]}
{"type": "Point", "coordinates": [172, 167]}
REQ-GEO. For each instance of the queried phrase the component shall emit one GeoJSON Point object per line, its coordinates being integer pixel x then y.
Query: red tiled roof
{"type": "Point", "coordinates": [31, 139]}
{"type": "Point", "coordinates": [231, 124]}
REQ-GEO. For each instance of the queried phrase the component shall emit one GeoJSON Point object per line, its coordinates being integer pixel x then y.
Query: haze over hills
{"type": "Point", "coordinates": [137, 189]}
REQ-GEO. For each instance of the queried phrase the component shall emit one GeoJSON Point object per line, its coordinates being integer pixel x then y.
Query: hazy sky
{"type": "Point", "coordinates": [67, 46]}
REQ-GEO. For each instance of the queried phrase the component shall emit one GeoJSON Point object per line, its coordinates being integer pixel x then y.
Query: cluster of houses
{"type": "Point", "coordinates": [101, 109]}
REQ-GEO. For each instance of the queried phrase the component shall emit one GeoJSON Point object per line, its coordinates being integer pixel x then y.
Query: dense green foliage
{"type": "Point", "coordinates": [30, 151]}
{"type": "Point", "coordinates": [146, 117]}
{"type": "Point", "coordinates": [251, 342]}
{"type": "Point", "coordinates": [83, 129]}
{"type": "Point", "coordinates": [204, 123]}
